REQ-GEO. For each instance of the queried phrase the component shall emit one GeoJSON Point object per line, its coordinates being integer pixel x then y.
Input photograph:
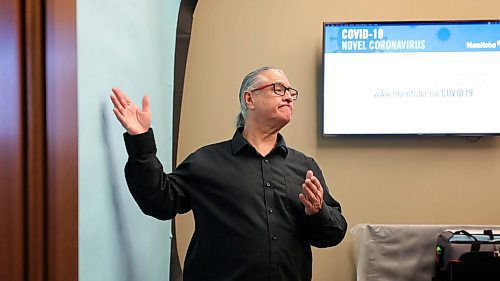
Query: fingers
{"type": "Point", "coordinates": [312, 194]}
{"type": "Point", "coordinates": [122, 99]}
{"type": "Point", "coordinates": [313, 184]}
{"type": "Point", "coordinates": [145, 104]}
{"type": "Point", "coordinates": [310, 207]}
{"type": "Point", "coordinates": [306, 202]}
{"type": "Point", "coordinates": [309, 174]}
{"type": "Point", "coordinates": [119, 116]}
{"type": "Point", "coordinates": [121, 103]}
{"type": "Point", "coordinates": [118, 110]}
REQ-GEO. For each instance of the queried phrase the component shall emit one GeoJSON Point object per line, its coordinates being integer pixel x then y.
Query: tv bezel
{"type": "Point", "coordinates": [389, 22]}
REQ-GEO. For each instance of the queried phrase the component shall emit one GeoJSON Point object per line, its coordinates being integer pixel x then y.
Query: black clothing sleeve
{"type": "Point", "coordinates": [328, 227]}
{"type": "Point", "coordinates": [158, 195]}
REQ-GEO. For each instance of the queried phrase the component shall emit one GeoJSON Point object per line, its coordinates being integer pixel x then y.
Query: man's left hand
{"type": "Point", "coordinates": [312, 194]}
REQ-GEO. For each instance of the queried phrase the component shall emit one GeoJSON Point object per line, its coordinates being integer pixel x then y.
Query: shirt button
{"type": "Point", "coordinates": [265, 160]}
{"type": "Point", "coordinates": [274, 238]}
{"type": "Point", "coordinates": [270, 210]}
{"type": "Point", "coordinates": [268, 184]}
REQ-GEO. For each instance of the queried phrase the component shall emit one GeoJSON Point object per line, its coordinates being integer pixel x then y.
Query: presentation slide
{"type": "Point", "coordinates": [412, 78]}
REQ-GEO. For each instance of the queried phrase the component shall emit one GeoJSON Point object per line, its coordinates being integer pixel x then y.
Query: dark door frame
{"type": "Point", "coordinates": [39, 137]}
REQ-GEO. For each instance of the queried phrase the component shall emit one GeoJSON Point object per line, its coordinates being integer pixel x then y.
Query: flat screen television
{"type": "Point", "coordinates": [411, 78]}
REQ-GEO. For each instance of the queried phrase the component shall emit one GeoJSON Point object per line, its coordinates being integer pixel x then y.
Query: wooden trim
{"type": "Point", "coordinates": [62, 140]}
{"type": "Point", "coordinates": [35, 130]}
{"type": "Point", "coordinates": [12, 136]}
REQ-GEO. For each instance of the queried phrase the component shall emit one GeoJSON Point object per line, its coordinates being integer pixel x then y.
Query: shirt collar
{"type": "Point", "coordinates": [239, 142]}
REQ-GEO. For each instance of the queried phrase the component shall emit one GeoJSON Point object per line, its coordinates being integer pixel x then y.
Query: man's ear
{"type": "Point", "coordinates": [248, 100]}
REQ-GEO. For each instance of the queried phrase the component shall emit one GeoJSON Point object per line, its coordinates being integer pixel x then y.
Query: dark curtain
{"type": "Point", "coordinates": [184, 24]}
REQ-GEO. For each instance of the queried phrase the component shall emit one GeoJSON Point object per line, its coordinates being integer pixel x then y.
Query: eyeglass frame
{"type": "Point", "coordinates": [294, 97]}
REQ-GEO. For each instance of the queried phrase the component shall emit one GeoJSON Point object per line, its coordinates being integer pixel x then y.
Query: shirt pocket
{"type": "Point", "coordinates": [293, 187]}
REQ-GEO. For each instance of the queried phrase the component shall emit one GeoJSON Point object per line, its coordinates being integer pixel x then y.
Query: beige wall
{"type": "Point", "coordinates": [393, 180]}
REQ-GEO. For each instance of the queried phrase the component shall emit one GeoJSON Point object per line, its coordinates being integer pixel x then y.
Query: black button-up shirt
{"type": "Point", "coordinates": [249, 222]}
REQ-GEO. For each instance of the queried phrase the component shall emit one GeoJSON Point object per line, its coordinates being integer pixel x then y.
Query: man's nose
{"type": "Point", "coordinates": [287, 96]}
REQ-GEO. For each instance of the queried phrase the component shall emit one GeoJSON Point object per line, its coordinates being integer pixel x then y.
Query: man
{"type": "Point", "coordinates": [258, 204]}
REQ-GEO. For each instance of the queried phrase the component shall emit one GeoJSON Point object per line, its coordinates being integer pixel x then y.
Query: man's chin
{"type": "Point", "coordinates": [285, 121]}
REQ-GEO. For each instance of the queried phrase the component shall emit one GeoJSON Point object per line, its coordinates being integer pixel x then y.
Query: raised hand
{"type": "Point", "coordinates": [312, 194]}
{"type": "Point", "coordinates": [134, 120]}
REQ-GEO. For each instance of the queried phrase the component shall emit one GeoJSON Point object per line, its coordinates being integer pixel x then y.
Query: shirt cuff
{"type": "Point", "coordinates": [320, 217]}
{"type": "Point", "coordinates": [140, 144]}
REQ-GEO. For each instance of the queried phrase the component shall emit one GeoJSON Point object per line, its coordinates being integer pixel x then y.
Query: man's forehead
{"type": "Point", "coordinates": [275, 75]}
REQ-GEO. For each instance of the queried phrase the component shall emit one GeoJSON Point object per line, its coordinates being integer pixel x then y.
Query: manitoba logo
{"type": "Point", "coordinates": [482, 45]}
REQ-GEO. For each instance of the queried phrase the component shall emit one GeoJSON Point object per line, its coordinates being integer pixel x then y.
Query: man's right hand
{"type": "Point", "coordinates": [133, 119]}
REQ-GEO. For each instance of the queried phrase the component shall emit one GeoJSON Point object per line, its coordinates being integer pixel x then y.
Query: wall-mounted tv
{"type": "Point", "coordinates": [411, 78]}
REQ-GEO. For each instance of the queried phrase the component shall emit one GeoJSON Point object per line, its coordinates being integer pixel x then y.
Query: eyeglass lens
{"type": "Point", "coordinates": [280, 89]}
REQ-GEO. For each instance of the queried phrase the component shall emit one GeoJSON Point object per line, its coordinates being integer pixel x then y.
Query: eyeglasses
{"type": "Point", "coordinates": [279, 89]}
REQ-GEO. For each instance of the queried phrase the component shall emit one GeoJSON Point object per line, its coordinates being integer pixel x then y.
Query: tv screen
{"type": "Point", "coordinates": [411, 78]}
